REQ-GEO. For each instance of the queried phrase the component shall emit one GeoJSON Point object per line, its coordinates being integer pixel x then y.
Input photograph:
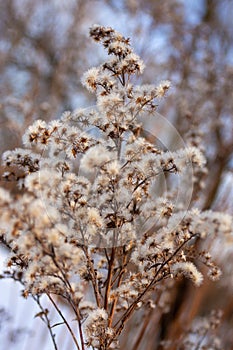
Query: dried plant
{"type": "Point", "coordinates": [89, 227]}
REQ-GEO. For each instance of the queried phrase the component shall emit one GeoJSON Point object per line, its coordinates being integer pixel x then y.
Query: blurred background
{"type": "Point", "coordinates": [45, 49]}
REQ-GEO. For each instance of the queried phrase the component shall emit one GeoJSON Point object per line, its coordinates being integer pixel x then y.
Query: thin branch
{"type": "Point", "coordinates": [57, 324]}
{"type": "Point", "coordinates": [46, 320]}
{"type": "Point", "coordinates": [93, 277]}
{"type": "Point", "coordinates": [118, 285]}
{"type": "Point", "coordinates": [64, 319]}
{"type": "Point", "coordinates": [109, 278]}
{"type": "Point", "coordinates": [197, 347]}
{"type": "Point", "coordinates": [70, 300]}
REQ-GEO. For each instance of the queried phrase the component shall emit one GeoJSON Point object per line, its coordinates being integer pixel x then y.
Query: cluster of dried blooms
{"type": "Point", "coordinates": [80, 229]}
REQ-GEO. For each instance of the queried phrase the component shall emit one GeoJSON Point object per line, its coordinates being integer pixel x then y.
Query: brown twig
{"type": "Point", "coordinates": [93, 277]}
{"type": "Point", "coordinates": [64, 319]}
{"type": "Point", "coordinates": [109, 278]}
{"type": "Point", "coordinates": [110, 320]}
{"type": "Point", "coordinates": [46, 320]}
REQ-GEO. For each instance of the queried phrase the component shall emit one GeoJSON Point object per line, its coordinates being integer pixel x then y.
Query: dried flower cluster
{"type": "Point", "coordinates": [88, 219]}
